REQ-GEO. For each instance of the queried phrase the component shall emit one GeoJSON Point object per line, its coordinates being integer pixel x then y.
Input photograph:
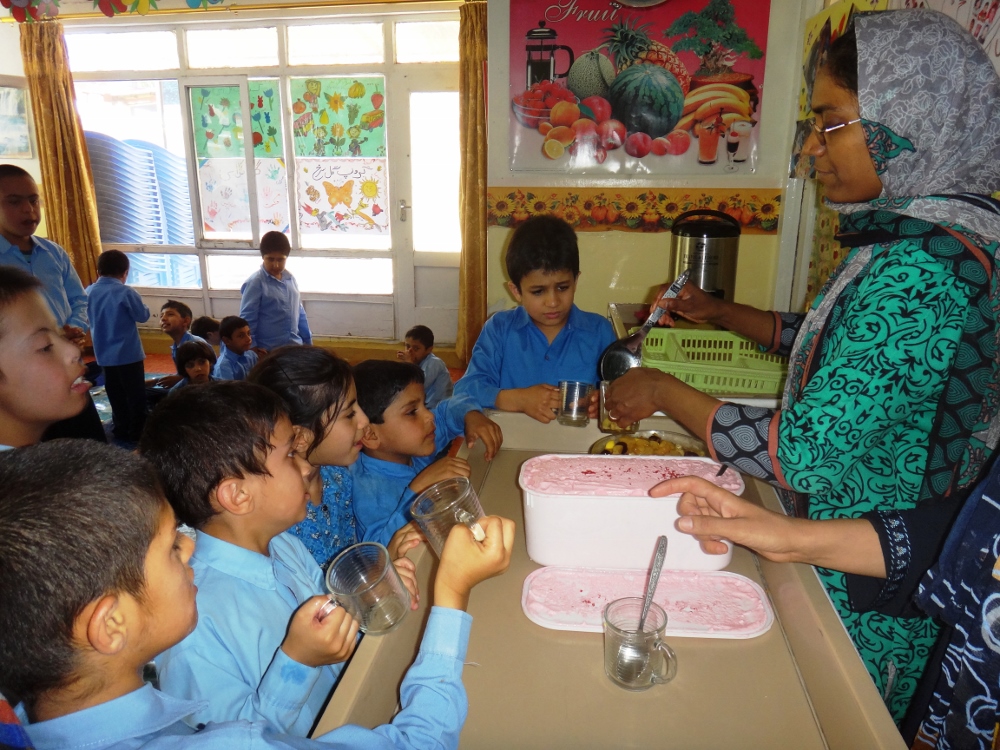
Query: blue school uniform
{"type": "Point", "coordinates": [329, 527]}
{"type": "Point", "coordinates": [273, 310]}
{"type": "Point", "coordinates": [188, 336]}
{"type": "Point", "coordinates": [61, 286]}
{"type": "Point", "coordinates": [233, 366]}
{"type": "Point", "coordinates": [432, 696]}
{"type": "Point", "coordinates": [437, 380]}
{"type": "Point", "coordinates": [512, 352]}
{"type": "Point", "coordinates": [114, 308]}
{"type": "Point", "coordinates": [233, 659]}
{"type": "Point", "coordinates": [382, 495]}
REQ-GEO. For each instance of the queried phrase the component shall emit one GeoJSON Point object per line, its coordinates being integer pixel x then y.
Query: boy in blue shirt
{"type": "Point", "coordinates": [522, 354]}
{"type": "Point", "coordinates": [237, 357]}
{"type": "Point", "coordinates": [228, 456]}
{"type": "Point", "coordinates": [207, 328]}
{"type": "Point", "coordinates": [419, 343]}
{"type": "Point", "coordinates": [195, 360]}
{"type": "Point", "coordinates": [403, 438]}
{"type": "Point", "coordinates": [114, 308]}
{"type": "Point", "coordinates": [271, 303]}
{"type": "Point", "coordinates": [175, 320]}
{"type": "Point", "coordinates": [94, 518]}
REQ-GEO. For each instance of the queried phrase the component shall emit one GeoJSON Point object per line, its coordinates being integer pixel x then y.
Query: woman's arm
{"type": "Point", "coordinates": [695, 305]}
{"type": "Point", "coordinates": [710, 514]}
{"type": "Point", "coordinates": [642, 391]}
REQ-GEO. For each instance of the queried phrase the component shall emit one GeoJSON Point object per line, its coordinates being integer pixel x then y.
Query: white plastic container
{"type": "Point", "coordinates": [581, 524]}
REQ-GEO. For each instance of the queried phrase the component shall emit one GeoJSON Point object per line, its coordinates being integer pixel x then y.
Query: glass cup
{"type": "Point", "coordinates": [363, 580]}
{"type": "Point", "coordinates": [444, 504]}
{"type": "Point", "coordinates": [636, 661]}
{"type": "Point", "coordinates": [606, 424]}
{"type": "Point", "coordinates": [574, 401]}
{"type": "Point", "coordinates": [708, 143]}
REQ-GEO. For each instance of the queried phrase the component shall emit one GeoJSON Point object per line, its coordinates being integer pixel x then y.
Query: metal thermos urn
{"type": "Point", "coordinates": [708, 243]}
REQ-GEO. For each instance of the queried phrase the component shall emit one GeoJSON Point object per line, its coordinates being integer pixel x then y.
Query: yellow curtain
{"type": "Point", "coordinates": [472, 186]}
{"type": "Point", "coordinates": [67, 182]}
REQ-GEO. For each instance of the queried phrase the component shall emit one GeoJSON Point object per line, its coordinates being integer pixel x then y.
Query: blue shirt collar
{"type": "Point", "coordinates": [107, 280]}
{"type": "Point", "coordinates": [136, 714]}
{"type": "Point", "coordinates": [235, 561]}
{"type": "Point", "coordinates": [6, 245]}
{"type": "Point", "coordinates": [389, 468]}
{"type": "Point", "coordinates": [285, 275]}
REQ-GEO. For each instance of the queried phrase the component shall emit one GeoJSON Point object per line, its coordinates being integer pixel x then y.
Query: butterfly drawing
{"type": "Point", "coordinates": [343, 194]}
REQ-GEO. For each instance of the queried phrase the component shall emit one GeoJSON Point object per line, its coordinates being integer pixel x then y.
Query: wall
{"type": "Point", "coordinates": [621, 266]}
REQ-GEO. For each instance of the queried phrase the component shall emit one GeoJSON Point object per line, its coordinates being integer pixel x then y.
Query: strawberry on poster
{"type": "Point", "coordinates": [636, 86]}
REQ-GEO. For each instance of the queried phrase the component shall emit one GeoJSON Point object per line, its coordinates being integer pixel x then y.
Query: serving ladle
{"type": "Point", "coordinates": [626, 353]}
{"type": "Point", "coordinates": [632, 660]}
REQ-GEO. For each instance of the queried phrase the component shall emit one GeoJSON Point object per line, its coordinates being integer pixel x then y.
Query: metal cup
{"type": "Point", "coordinates": [444, 504]}
{"type": "Point", "coordinates": [636, 660]}
{"type": "Point", "coordinates": [606, 424]}
{"type": "Point", "coordinates": [574, 401]}
{"type": "Point", "coordinates": [363, 580]}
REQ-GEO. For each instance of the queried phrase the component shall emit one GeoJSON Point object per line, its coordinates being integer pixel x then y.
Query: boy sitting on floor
{"type": "Point", "coordinates": [522, 354]}
{"type": "Point", "coordinates": [206, 328]}
{"type": "Point", "coordinates": [94, 519]}
{"type": "Point", "coordinates": [419, 343]}
{"type": "Point", "coordinates": [175, 319]}
{"type": "Point", "coordinates": [397, 460]}
{"type": "Point", "coordinates": [41, 375]}
{"type": "Point", "coordinates": [195, 361]}
{"type": "Point", "coordinates": [237, 358]}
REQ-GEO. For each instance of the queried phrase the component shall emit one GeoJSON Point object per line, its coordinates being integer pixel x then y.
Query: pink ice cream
{"type": "Point", "coordinates": [699, 604]}
{"type": "Point", "coordinates": [619, 476]}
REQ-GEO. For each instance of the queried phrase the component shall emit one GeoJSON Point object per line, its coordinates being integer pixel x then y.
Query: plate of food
{"type": "Point", "coordinates": [649, 443]}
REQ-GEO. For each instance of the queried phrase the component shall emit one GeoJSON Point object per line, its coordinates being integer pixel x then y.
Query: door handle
{"type": "Point", "coordinates": [403, 208]}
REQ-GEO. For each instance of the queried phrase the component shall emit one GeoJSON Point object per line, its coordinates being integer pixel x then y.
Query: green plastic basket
{"type": "Point", "coordinates": [717, 362]}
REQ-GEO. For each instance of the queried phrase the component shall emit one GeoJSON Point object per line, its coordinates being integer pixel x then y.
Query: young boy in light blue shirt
{"type": "Point", "coordinates": [237, 358]}
{"type": "Point", "coordinates": [403, 439]}
{"type": "Point", "coordinates": [125, 583]}
{"type": "Point", "coordinates": [228, 457]}
{"type": "Point", "coordinates": [419, 343]}
{"type": "Point", "coordinates": [270, 301]}
{"type": "Point", "coordinates": [114, 308]}
{"type": "Point", "coordinates": [522, 354]}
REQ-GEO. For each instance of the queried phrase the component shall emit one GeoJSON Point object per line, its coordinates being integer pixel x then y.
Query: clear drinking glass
{"type": "Point", "coordinates": [574, 401]}
{"type": "Point", "coordinates": [634, 660]}
{"type": "Point", "coordinates": [363, 580]}
{"type": "Point", "coordinates": [606, 424]}
{"type": "Point", "coordinates": [444, 504]}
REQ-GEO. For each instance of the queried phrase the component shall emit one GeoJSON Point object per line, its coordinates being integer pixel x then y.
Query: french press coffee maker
{"type": "Point", "coordinates": [541, 49]}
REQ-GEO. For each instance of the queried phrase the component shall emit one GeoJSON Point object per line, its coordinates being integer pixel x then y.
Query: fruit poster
{"type": "Point", "coordinates": [342, 116]}
{"type": "Point", "coordinates": [636, 86]}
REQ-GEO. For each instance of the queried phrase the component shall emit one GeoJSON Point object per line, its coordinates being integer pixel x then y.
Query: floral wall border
{"type": "Point", "coordinates": [645, 210]}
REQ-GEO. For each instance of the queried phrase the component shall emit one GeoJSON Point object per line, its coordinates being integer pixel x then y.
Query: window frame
{"type": "Point", "coordinates": [398, 78]}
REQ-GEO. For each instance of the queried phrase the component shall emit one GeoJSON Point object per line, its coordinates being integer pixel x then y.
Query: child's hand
{"type": "Point", "coordinates": [401, 355]}
{"type": "Point", "coordinates": [539, 401]}
{"type": "Point", "coordinates": [466, 562]}
{"type": "Point", "coordinates": [406, 538]}
{"type": "Point", "coordinates": [478, 425]}
{"type": "Point", "coordinates": [444, 468]}
{"type": "Point", "coordinates": [315, 642]}
{"type": "Point", "coordinates": [408, 574]}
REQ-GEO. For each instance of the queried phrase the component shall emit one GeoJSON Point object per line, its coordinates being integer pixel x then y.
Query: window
{"type": "Point", "coordinates": [339, 132]}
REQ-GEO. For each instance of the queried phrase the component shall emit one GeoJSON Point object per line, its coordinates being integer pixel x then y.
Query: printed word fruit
{"type": "Point", "coordinates": [638, 145]}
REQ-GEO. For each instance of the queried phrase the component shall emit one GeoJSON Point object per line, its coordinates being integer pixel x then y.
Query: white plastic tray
{"type": "Point", "coordinates": [704, 604]}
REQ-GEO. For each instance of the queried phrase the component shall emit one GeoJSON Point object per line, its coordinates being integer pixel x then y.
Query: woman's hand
{"type": "Point", "coordinates": [635, 395]}
{"type": "Point", "coordinates": [691, 304]}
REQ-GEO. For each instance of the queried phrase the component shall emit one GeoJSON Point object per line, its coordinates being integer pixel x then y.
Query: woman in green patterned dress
{"type": "Point", "coordinates": [890, 410]}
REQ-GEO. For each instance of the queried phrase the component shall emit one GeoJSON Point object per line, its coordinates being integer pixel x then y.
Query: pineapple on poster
{"type": "Point", "coordinates": [636, 87]}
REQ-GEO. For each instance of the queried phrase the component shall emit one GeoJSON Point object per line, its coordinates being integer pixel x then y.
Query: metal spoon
{"type": "Point", "coordinates": [624, 354]}
{"type": "Point", "coordinates": [632, 661]}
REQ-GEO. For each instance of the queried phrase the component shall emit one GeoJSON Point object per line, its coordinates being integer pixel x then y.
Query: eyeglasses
{"type": "Point", "coordinates": [821, 131]}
